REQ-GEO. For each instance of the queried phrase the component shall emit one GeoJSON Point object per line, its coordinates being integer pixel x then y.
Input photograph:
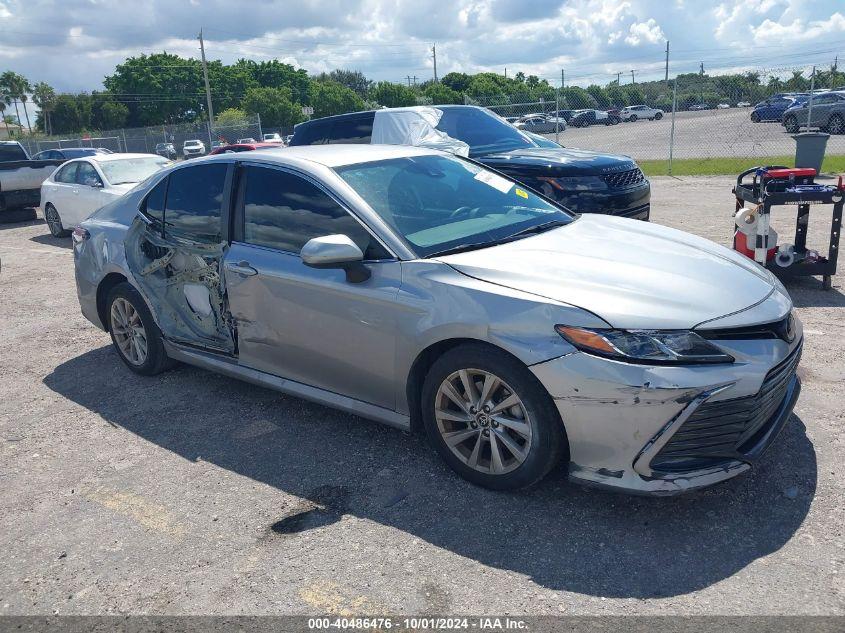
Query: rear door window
{"type": "Point", "coordinates": [194, 202]}
{"type": "Point", "coordinates": [67, 174]}
{"type": "Point", "coordinates": [355, 130]}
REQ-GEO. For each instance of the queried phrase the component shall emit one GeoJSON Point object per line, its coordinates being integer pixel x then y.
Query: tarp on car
{"type": "Point", "coordinates": [416, 125]}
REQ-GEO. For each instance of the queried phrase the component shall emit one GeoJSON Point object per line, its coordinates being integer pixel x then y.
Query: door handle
{"type": "Point", "coordinates": [242, 268]}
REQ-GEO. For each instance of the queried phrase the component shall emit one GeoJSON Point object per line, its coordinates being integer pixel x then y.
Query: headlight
{"type": "Point", "coordinates": [576, 183]}
{"type": "Point", "coordinates": [650, 347]}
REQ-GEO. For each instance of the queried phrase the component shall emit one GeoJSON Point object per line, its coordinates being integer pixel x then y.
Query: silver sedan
{"type": "Point", "coordinates": [424, 291]}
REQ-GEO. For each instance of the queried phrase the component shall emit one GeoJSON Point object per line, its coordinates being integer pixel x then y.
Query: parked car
{"type": "Point", "coordinates": [585, 118]}
{"type": "Point", "coordinates": [193, 148]}
{"type": "Point", "coordinates": [167, 150]}
{"type": "Point", "coordinates": [773, 108]}
{"type": "Point", "coordinates": [541, 124]}
{"type": "Point", "coordinates": [699, 106]}
{"type": "Point", "coordinates": [511, 119]}
{"type": "Point", "coordinates": [68, 153]}
{"type": "Point", "coordinates": [20, 181]}
{"type": "Point", "coordinates": [272, 138]}
{"type": "Point", "coordinates": [635, 112]}
{"type": "Point", "coordinates": [83, 185]}
{"type": "Point", "coordinates": [723, 106]}
{"type": "Point", "coordinates": [564, 114]}
{"type": "Point", "coordinates": [583, 181]}
{"type": "Point", "coordinates": [743, 104]}
{"type": "Point", "coordinates": [248, 139]}
{"type": "Point", "coordinates": [828, 114]}
{"type": "Point", "coordinates": [243, 147]}
{"type": "Point", "coordinates": [515, 335]}
{"type": "Point", "coordinates": [286, 139]}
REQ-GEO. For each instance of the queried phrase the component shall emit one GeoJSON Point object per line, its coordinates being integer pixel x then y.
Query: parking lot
{"type": "Point", "coordinates": [710, 133]}
{"type": "Point", "coordinates": [192, 493]}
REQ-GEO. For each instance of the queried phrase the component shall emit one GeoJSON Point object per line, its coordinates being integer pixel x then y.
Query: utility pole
{"type": "Point", "coordinates": [701, 69]}
{"type": "Point", "coordinates": [434, 56]}
{"type": "Point", "coordinates": [207, 91]}
{"type": "Point", "coordinates": [562, 79]}
{"type": "Point", "coordinates": [618, 79]}
{"type": "Point", "coordinates": [506, 72]}
{"type": "Point", "coordinates": [666, 80]}
{"type": "Point", "coordinates": [409, 80]}
{"type": "Point", "coordinates": [633, 81]}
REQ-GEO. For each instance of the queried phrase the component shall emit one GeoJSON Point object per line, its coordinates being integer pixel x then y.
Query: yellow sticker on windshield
{"type": "Point", "coordinates": [521, 193]}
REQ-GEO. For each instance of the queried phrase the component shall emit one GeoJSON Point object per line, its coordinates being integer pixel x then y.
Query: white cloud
{"type": "Point", "coordinates": [648, 31]}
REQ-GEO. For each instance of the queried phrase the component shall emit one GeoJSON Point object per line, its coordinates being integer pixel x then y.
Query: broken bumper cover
{"type": "Point", "coordinates": [621, 418]}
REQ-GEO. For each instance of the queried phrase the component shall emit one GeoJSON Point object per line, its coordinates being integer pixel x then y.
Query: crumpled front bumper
{"type": "Point", "coordinates": [618, 416]}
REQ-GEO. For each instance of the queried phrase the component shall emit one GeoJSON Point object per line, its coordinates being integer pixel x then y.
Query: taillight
{"type": "Point", "coordinates": [79, 235]}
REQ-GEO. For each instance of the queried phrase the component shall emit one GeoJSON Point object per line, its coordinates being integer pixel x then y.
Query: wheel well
{"type": "Point", "coordinates": [108, 282]}
{"type": "Point", "coordinates": [419, 370]}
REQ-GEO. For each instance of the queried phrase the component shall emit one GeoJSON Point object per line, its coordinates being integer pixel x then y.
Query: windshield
{"type": "Point", "coordinates": [442, 203]}
{"type": "Point", "coordinates": [80, 152]}
{"type": "Point", "coordinates": [483, 131]}
{"type": "Point", "coordinates": [129, 170]}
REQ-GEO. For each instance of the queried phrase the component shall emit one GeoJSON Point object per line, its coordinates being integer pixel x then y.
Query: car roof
{"type": "Point", "coordinates": [330, 155]}
{"type": "Point", "coordinates": [107, 158]}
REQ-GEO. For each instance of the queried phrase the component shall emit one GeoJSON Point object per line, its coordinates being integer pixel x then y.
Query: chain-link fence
{"type": "Point", "coordinates": [680, 121]}
{"type": "Point", "coordinates": [146, 139]}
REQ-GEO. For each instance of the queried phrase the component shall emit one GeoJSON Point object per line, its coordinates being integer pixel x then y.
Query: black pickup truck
{"type": "Point", "coordinates": [581, 180]}
{"type": "Point", "coordinates": [20, 182]}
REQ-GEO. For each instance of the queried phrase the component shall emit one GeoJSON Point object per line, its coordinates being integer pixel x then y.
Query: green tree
{"type": "Point", "coordinates": [44, 97]}
{"type": "Point", "coordinates": [600, 95]}
{"type": "Point", "coordinates": [329, 97]}
{"type": "Point", "coordinates": [616, 95]}
{"type": "Point", "coordinates": [459, 82]}
{"type": "Point", "coordinates": [578, 98]}
{"type": "Point", "coordinates": [66, 116]}
{"type": "Point", "coordinates": [273, 105]}
{"type": "Point", "coordinates": [3, 115]}
{"type": "Point", "coordinates": [15, 86]}
{"type": "Point", "coordinates": [442, 94]}
{"type": "Point", "coordinates": [634, 94]}
{"type": "Point", "coordinates": [352, 79]}
{"type": "Point", "coordinates": [111, 115]}
{"type": "Point", "coordinates": [231, 117]}
{"type": "Point", "coordinates": [393, 95]}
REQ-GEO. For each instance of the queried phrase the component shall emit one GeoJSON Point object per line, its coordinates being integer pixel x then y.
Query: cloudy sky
{"type": "Point", "coordinates": [73, 44]}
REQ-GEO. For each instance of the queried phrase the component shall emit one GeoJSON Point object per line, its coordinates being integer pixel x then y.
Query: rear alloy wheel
{"type": "Point", "coordinates": [755, 118]}
{"type": "Point", "coordinates": [633, 117]}
{"type": "Point", "coordinates": [490, 419]}
{"type": "Point", "coordinates": [658, 116]}
{"type": "Point", "coordinates": [54, 222]}
{"type": "Point", "coordinates": [836, 125]}
{"type": "Point", "coordinates": [791, 124]}
{"type": "Point", "coordinates": [134, 333]}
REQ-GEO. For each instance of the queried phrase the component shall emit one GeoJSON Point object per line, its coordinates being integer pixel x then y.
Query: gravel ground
{"type": "Point", "coordinates": [705, 134]}
{"type": "Point", "coordinates": [193, 493]}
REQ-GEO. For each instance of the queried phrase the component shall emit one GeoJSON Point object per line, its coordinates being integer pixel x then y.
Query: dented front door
{"type": "Point", "coordinates": [311, 325]}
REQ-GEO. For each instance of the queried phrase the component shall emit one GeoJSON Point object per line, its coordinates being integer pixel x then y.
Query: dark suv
{"type": "Point", "coordinates": [583, 181]}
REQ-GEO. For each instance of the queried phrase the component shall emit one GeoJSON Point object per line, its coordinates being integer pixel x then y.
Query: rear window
{"type": "Point", "coordinates": [12, 152]}
{"type": "Point", "coordinates": [356, 130]}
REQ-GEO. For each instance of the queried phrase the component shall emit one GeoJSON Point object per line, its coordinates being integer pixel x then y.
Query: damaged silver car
{"type": "Point", "coordinates": [422, 290]}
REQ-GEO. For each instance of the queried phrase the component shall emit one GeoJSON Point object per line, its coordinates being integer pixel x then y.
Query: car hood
{"type": "Point", "coordinates": [565, 157]}
{"type": "Point", "coordinates": [632, 274]}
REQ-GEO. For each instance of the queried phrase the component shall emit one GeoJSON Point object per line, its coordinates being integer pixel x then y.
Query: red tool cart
{"type": "Point", "coordinates": [781, 186]}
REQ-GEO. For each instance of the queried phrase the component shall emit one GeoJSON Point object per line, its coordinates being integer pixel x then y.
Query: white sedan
{"type": "Point", "coordinates": [81, 186]}
{"type": "Point", "coordinates": [634, 112]}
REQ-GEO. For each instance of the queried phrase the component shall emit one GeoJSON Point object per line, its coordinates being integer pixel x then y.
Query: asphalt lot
{"type": "Point", "coordinates": [192, 493]}
{"type": "Point", "coordinates": [705, 134]}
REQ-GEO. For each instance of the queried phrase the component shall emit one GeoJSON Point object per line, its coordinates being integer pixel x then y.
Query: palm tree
{"type": "Point", "coordinates": [14, 85]}
{"type": "Point", "coordinates": [24, 99]}
{"type": "Point", "coordinates": [44, 97]}
{"type": "Point", "coordinates": [2, 113]}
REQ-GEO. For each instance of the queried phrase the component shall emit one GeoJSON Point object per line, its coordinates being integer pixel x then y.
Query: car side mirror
{"type": "Point", "coordinates": [336, 251]}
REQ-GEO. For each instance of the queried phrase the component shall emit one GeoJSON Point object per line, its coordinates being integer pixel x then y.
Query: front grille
{"type": "Point", "coordinates": [623, 179]}
{"type": "Point", "coordinates": [718, 433]}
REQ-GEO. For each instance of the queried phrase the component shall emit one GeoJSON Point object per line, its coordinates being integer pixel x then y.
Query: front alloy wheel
{"type": "Point", "coordinates": [791, 124]}
{"type": "Point", "coordinates": [483, 421]}
{"type": "Point", "coordinates": [54, 222]}
{"type": "Point", "coordinates": [490, 419]}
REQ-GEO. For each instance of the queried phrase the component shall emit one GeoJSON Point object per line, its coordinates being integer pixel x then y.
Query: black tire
{"type": "Point", "coordinates": [791, 124]}
{"type": "Point", "coordinates": [658, 116]}
{"type": "Point", "coordinates": [836, 124]}
{"type": "Point", "coordinates": [54, 222]}
{"type": "Point", "coordinates": [633, 117]}
{"type": "Point", "coordinates": [156, 360]}
{"type": "Point", "coordinates": [548, 438]}
{"type": "Point", "coordinates": [10, 216]}
{"type": "Point", "coordinates": [755, 118]}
